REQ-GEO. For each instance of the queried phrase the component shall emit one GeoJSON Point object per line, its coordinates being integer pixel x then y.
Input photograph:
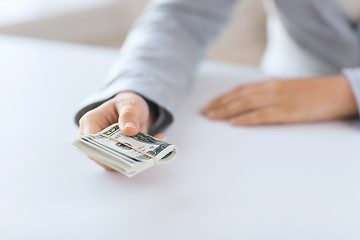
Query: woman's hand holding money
{"type": "Point", "coordinates": [285, 101]}
{"type": "Point", "coordinates": [127, 108]}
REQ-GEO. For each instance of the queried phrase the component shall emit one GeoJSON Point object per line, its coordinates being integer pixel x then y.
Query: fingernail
{"type": "Point", "coordinates": [130, 125]}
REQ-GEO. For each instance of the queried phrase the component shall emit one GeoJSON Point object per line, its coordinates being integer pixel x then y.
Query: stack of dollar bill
{"type": "Point", "coordinates": [128, 155]}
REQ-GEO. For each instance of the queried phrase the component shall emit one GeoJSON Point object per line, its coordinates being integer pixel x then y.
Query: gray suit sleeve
{"type": "Point", "coordinates": [353, 76]}
{"type": "Point", "coordinates": [161, 53]}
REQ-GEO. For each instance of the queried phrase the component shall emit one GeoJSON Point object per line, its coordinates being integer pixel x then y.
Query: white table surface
{"type": "Point", "coordinates": [268, 182]}
{"type": "Point", "coordinates": [20, 11]}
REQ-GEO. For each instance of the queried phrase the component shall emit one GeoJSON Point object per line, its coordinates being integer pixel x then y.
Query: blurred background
{"type": "Point", "coordinates": [107, 22]}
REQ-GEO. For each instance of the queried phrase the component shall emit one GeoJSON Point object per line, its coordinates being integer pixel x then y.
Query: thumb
{"type": "Point", "coordinates": [129, 121]}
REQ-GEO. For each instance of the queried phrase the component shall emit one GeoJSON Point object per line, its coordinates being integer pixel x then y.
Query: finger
{"type": "Point", "coordinates": [235, 94]}
{"type": "Point", "coordinates": [267, 115]}
{"type": "Point", "coordinates": [160, 136]}
{"type": "Point", "coordinates": [239, 106]}
{"type": "Point", "coordinates": [90, 124]}
{"type": "Point", "coordinates": [98, 119]}
{"type": "Point", "coordinates": [101, 164]}
{"type": "Point", "coordinates": [221, 100]}
{"type": "Point", "coordinates": [129, 120]}
{"type": "Point", "coordinates": [144, 128]}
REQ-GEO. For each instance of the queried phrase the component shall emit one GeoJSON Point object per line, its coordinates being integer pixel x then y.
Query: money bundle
{"type": "Point", "coordinates": [127, 155]}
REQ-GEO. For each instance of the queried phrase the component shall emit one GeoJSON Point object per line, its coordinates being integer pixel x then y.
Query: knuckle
{"type": "Point", "coordinates": [126, 103]}
{"type": "Point", "coordinates": [89, 116]}
{"type": "Point", "coordinates": [124, 95]}
{"type": "Point", "coordinates": [246, 102]}
{"type": "Point", "coordinates": [82, 121]}
{"type": "Point", "coordinates": [239, 88]}
{"type": "Point", "coordinates": [254, 87]}
{"type": "Point", "coordinates": [246, 89]}
{"type": "Point", "coordinates": [273, 89]}
{"type": "Point", "coordinates": [128, 112]}
{"type": "Point", "coordinates": [233, 106]}
{"type": "Point", "coordinates": [227, 110]}
{"type": "Point", "coordinates": [132, 102]}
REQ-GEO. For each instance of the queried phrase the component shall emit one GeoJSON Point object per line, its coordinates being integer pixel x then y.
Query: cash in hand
{"type": "Point", "coordinates": [127, 155]}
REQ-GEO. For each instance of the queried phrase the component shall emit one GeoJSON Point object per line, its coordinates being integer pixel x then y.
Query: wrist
{"type": "Point", "coordinates": [346, 95]}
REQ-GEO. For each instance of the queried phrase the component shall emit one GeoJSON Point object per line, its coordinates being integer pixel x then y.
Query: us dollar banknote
{"type": "Point", "coordinates": [127, 155]}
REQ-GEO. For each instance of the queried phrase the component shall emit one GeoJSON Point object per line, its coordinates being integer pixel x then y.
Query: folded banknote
{"type": "Point", "coordinates": [128, 155]}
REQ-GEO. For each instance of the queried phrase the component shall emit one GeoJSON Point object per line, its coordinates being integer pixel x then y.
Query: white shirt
{"type": "Point", "coordinates": [351, 9]}
{"type": "Point", "coordinates": [283, 57]}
